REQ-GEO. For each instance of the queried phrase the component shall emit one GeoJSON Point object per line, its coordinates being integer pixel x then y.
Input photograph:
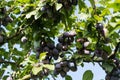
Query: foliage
{"type": "Point", "coordinates": [39, 38]}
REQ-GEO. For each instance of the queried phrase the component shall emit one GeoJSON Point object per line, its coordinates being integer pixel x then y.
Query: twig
{"type": "Point", "coordinates": [112, 56]}
{"type": "Point", "coordinates": [102, 67]}
{"type": "Point", "coordinates": [6, 62]}
{"type": "Point", "coordinates": [93, 61]}
{"type": "Point", "coordinates": [53, 77]}
{"type": "Point", "coordinates": [17, 33]}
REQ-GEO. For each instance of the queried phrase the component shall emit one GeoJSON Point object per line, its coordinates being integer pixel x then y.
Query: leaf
{"type": "Point", "coordinates": [36, 69]}
{"type": "Point", "coordinates": [9, 27]}
{"type": "Point", "coordinates": [81, 4]}
{"type": "Point", "coordinates": [98, 18]}
{"type": "Point", "coordinates": [25, 77]}
{"type": "Point", "coordinates": [1, 72]}
{"type": "Point", "coordinates": [42, 55]}
{"type": "Point", "coordinates": [115, 6]}
{"type": "Point", "coordinates": [31, 13]}
{"type": "Point", "coordinates": [68, 77]}
{"type": "Point", "coordinates": [88, 75]}
{"type": "Point", "coordinates": [17, 11]}
{"type": "Point", "coordinates": [51, 67]}
{"type": "Point", "coordinates": [105, 12]}
{"type": "Point", "coordinates": [107, 66]}
{"type": "Point", "coordinates": [114, 29]}
{"type": "Point", "coordinates": [58, 6]}
{"type": "Point", "coordinates": [92, 3]}
{"type": "Point", "coordinates": [38, 14]}
{"type": "Point", "coordinates": [24, 1]}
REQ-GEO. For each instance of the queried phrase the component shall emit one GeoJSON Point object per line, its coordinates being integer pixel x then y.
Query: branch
{"type": "Point", "coordinates": [6, 62]}
{"type": "Point", "coordinates": [27, 77]}
{"type": "Point", "coordinates": [17, 33]}
{"type": "Point", "coordinates": [112, 56]}
{"type": "Point", "coordinates": [93, 61]}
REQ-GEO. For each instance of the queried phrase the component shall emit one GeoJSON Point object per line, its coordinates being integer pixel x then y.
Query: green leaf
{"type": "Point", "coordinates": [48, 66]}
{"type": "Point", "coordinates": [107, 48]}
{"type": "Point", "coordinates": [114, 29]}
{"type": "Point", "coordinates": [17, 11]}
{"type": "Point", "coordinates": [68, 77]}
{"type": "Point", "coordinates": [24, 1]}
{"type": "Point", "coordinates": [107, 67]}
{"type": "Point", "coordinates": [115, 6]}
{"type": "Point", "coordinates": [92, 3]}
{"type": "Point", "coordinates": [38, 14]}
{"type": "Point", "coordinates": [36, 69]}
{"type": "Point", "coordinates": [81, 4]}
{"type": "Point", "coordinates": [58, 6]}
{"type": "Point", "coordinates": [9, 27]}
{"type": "Point", "coordinates": [98, 18]}
{"type": "Point", "coordinates": [88, 75]}
{"type": "Point", "coordinates": [42, 55]}
{"type": "Point", "coordinates": [105, 12]}
{"type": "Point", "coordinates": [31, 13]}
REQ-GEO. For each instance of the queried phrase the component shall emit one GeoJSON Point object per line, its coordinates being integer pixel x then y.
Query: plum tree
{"type": "Point", "coordinates": [43, 38]}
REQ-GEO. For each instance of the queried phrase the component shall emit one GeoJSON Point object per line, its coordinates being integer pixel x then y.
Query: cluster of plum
{"type": "Point", "coordinates": [50, 12]}
{"type": "Point", "coordinates": [65, 40]}
{"type": "Point", "coordinates": [64, 66]}
{"type": "Point", "coordinates": [5, 19]}
{"type": "Point", "coordinates": [68, 3]}
{"type": "Point", "coordinates": [53, 51]}
{"type": "Point", "coordinates": [115, 73]}
{"type": "Point", "coordinates": [114, 76]}
{"type": "Point", "coordinates": [85, 43]}
{"type": "Point", "coordinates": [49, 48]}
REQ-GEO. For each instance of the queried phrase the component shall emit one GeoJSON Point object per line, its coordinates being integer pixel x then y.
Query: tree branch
{"type": "Point", "coordinates": [17, 33]}
{"type": "Point", "coordinates": [112, 56]}
{"type": "Point", "coordinates": [93, 61]}
{"type": "Point", "coordinates": [6, 62]}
